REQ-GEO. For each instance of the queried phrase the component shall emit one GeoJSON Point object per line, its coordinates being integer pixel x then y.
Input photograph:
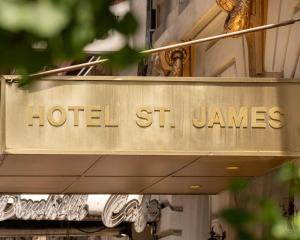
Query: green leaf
{"type": "Point", "coordinates": [238, 185]}
{"type": "Point", "coordinates": [240, 219]}
{"type": "Point", "coordinates": [237, 216]}
{"type": "Point", "coordinates": [288, 172]}
{"type": "Point", "coordinates": [270, 213]}
{"type": "Point", "coordinates": [281, 230]}
{"type": "Point", "coordinates": [125, 57]}
{"type": "Point", "coordinates": [42, 17]}
{"type": "Point", "coordinates": [63, 26]}
{"type": "Point", "coordinates": [128, 25]}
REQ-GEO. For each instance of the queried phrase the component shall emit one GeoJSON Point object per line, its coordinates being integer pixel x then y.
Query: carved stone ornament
{"type": "Point", "coordinates": [238, 14]}
{"type": "Point", "coordinates": [118, 209]}
{"type": "Point", "coordinates": [170, 62]}
{"type": "Point", "coordinates": [56, 207]}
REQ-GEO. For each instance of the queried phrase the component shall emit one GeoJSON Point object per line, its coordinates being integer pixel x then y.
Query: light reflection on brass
{"type": "Point", "coordinates": [144, 115]}
{"type": "Point", "coordinates": [76, 110]}
{"type": "Point", "coordinates": [258, 118]}
{"type": "Point", "coordinates": [93, 118]}
{"type": "Point", "coordinates": [60, 120]}
{"type": "Point", "coordinates": [216, 118]}
{"type": "Point", "coordinates": [199, 123]}
{"type": "Point", "coordinates": [162, 116]}
{"type": "Point", "coordinates": [238, 120]}
{"type": "Point", "coordinates": [31, 115]}
{"type": "Point", "coordinates": [276, 117]}
{"type": "Point", "coordinates": [107, 120]}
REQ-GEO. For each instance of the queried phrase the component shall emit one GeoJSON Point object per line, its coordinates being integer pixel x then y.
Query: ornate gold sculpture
{"type": "Point", "coordinates": [170, 62]}
{"type": "Point", "coordinates": [238, 14]}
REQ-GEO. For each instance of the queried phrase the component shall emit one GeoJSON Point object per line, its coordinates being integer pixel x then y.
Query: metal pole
{"type": "Point", "coordinates": [65, 69]}
{"type": "Point", "coordinates": [221, 36]}
{"type": "Point", "coordinates": [83, 69]}
{"type": "Point", "coordinates": [155, 50]}
{"type": "Point", "coordinates": [90, 68]}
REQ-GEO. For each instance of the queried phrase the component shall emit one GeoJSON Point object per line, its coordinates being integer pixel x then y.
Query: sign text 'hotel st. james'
{"type": "Point", "coordinates": [153, 117]}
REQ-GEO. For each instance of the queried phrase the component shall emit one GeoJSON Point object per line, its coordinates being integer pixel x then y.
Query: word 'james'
{"type": "Point", "coordinates": [254, 117]}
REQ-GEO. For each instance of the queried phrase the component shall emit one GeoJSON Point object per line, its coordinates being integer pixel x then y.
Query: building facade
{"type": "Point", "coordinates": [274, 53]}
{"type": "Point", "coordinates": [125, 134]}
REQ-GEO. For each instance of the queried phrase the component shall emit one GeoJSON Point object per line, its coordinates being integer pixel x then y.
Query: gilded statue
{"type": "Point", "coordinates": [170, 62]}
{"type": "Point", "coordinates": [238, 14]}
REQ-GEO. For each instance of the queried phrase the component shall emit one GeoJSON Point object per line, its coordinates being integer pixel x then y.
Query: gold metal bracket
{"type": "Point", "coordinates": [238, 14]}
{"type": "Point", "coordinates": [171, 61]}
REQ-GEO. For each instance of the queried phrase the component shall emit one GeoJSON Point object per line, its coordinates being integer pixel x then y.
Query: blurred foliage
{"type": "Point", "coordinates": [39, 33]}
{"type": "Point", "coordinates": [264, 212]}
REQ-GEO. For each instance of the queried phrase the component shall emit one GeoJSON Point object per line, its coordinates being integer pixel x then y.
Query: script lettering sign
{"type": "Point", "coordinates": [118, 209]}
{"type": "Point", "coordinates": [56, 207]}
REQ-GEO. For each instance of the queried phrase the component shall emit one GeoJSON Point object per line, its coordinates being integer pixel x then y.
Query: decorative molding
{"type": "Point", "coordinates": [256, 41]}
{"type": "Point", "coordinates": [211, 45]}
{"type": "Point", "coordinates": [296, 64]}
{"type": "Point", "coordinates": [203, 23]}
{"type": "Point", "coordinates": [275, 49]}
{"type": "Point", "coordinates": [282, 45]}
{"type": "Point", "coordinates": [224, 67]}
{"type": "Point", "coordinates": [273, 74]}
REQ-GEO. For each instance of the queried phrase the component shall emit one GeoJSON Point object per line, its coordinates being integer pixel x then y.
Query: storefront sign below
{"type": "Point", "coordinates": [117, 209]}
{"type": "Point", "coordinates": [56, 207]}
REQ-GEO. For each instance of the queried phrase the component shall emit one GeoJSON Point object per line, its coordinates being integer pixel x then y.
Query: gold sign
{"type": "Point", "coordinates": [154, 116]}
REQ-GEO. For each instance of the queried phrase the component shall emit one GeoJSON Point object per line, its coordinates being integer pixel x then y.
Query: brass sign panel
{"type": "Point", "coordinates": [195, 116]}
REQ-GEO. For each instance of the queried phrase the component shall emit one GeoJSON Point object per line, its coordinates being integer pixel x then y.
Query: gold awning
{"type": "Point", "coordinates": [144, 134]}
